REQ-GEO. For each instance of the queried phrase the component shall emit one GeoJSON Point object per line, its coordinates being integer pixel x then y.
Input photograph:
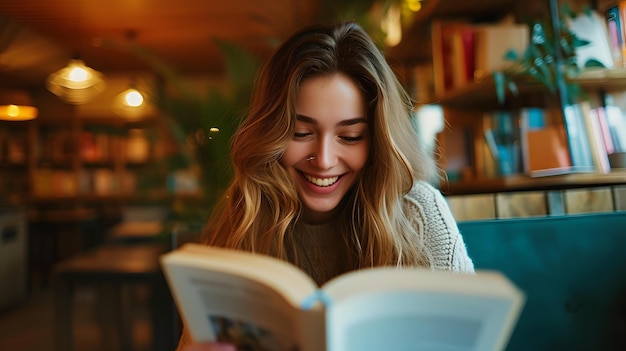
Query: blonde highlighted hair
{"type": "Point", "coordinates": [261, 205]}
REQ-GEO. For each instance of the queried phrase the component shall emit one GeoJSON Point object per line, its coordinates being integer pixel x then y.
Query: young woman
{"type": "Point", "coordinates": [329, 172]}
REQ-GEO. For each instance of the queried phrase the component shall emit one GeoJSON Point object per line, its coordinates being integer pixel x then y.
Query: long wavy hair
{"type": "Point", "coordinates": [261, 206]}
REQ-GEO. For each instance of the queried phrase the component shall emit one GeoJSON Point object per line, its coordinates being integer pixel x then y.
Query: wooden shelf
{"type": "Point", "coordinates": [606, 79]}
{"type": "Point", "coordinates": [523, 182]}
{"type": "Point", "coordinates": [482, 95]}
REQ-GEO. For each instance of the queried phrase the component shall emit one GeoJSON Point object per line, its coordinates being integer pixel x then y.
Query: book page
{"type": "Point", "coordinates": [239, 306]}
{"type": "Point", "coordinates": [418, 309]}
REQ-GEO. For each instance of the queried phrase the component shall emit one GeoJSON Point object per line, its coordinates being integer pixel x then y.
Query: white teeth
{"type": "Point", "coordinates": [321, 181]}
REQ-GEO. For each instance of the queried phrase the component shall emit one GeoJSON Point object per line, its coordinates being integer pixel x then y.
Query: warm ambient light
{"type": "Point", "coordinates": [132, 103]}
{"type": "Point", "coordinates": [17, 106]}
{"type": "Point", "coordinates": [132, 98]}
{"type": "Point", "coordinates": [392, 25]}
{"type": "Point", "coordinates": [414, 5]}
{"type": "Point", "coordinates": [76, 83]}
{"type": "Point", "coordinates": [395, 16]}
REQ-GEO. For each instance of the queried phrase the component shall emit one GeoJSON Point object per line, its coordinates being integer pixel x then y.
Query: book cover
{"type": "Point", "coordinates": [493, 41]}
{"type": "Point", "coordinates": [592, 27]}
{"type": "Point", "coordinates": [544, 144]}
{"type": "Point", "coordinates": [262, 303]}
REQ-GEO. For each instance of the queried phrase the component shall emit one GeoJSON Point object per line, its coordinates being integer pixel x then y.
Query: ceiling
{"type": "Point", "coordinates": [39, 37]}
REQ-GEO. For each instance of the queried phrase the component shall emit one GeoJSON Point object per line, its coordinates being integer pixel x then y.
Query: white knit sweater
{"type": "Point", "coordinates": [320, 249]}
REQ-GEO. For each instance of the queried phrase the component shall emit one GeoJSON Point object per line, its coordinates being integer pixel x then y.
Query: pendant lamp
{"type": "Point", "coordinates": [17, 105]}
{"type": "Point", "coordinates": [76, 83]}
{"type": "Point", "coordinates": [132, 102]}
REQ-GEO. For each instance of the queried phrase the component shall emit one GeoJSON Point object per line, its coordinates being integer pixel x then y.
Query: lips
{"type": "Point", "coordinates": [322, 182]}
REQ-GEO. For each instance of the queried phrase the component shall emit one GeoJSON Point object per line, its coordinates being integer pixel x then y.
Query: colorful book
{"type": "Point", "coordinates": [544, 145]}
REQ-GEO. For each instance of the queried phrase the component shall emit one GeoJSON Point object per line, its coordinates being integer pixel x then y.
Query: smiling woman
{"type": "Point", "coordinates": [329, 146]}
{"type": "Point", "coordinates": [329, 173]}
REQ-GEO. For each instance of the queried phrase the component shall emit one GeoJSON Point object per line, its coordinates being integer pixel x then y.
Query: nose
{"type": "Point", "coordinates": [326, 153]}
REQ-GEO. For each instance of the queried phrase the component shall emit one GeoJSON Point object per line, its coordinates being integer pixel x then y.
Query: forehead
{"type": "Point", "coordinates": [330, 97]}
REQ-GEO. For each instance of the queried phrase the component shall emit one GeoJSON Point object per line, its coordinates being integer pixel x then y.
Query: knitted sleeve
{"type": "Point", "coordinates": [427, 209]}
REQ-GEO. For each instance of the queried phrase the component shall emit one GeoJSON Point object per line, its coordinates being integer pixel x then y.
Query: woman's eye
{"type": "Point", "coordinates": [300, 136]}
{"type": "Point", "coordinates": [352, 139]}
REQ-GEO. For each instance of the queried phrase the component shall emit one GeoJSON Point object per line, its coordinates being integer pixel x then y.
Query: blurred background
{"type": "Point", "coordinates": [115, 118]}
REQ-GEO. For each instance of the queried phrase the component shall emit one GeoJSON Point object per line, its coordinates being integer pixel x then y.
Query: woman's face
{"type": "Point", "coordinates": [330, 143]}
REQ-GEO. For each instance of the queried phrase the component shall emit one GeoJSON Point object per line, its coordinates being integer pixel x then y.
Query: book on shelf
{"type": "Point", "coordinates": [605, 129]}
{"type": "Point", "coordinates": [593, 28]}
{"type": "Point", "coordinates": [617, 123]}
{"type": "Point", "coordinates": [493, 41]}
{"type": "Point", "coordinates": [269, 304]}
{"type": "Point", "coordinates": [443, 45]}
{"type": "Point", "coordinates": [621, 9]}
{"type": "Point", "coordinates": [577, 138]}
{"type": "Point", "coordinates": [615, 34]}
{"type": "Point", "coordinates": [464, 51]}
{"type": "Point", "coordinates": [463, 56]}
{"type": "Point", "coordinates": [597, 145]}
{"type": "Point", "coordinates": [502, 137]}
{"type": "Point", "coordinates": [544, 144]}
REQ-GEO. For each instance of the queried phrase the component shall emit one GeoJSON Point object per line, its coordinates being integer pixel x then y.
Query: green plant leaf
{"type": "Point", "coordinates": [511, 55]}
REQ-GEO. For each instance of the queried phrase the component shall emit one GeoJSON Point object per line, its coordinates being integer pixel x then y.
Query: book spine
{"type": "Point", "coordinates": [614, 26]}
{"type": "Point", "coordinates": [621, 9]}
{"type": "Point", "coordinates": [605, 130]}
{"type": "Point", "coordinates": [598, 150]}
{"type": "Point", "coordinates": [580, 150]}
{"type": "Point", "coordinates": [617, 127]}
{"type": "Point", "coordinates": [462, 55]}
{"type": "Point", "coordinates": [317, 296]}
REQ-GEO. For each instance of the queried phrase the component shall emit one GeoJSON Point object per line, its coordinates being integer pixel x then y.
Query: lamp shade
{"type": "Point", "coordinates": [17, 105]}
{"type": "Point", "coordinates": [76, 83]}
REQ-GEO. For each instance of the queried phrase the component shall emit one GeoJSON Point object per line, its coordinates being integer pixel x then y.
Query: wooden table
{"type": "Point", "coordinates": [116, 265]}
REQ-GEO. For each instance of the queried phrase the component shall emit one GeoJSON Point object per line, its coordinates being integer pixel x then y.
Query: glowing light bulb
{"type": "Point", "coordinates": [133, 98]}
{"type": "Point", "coordinates": [414, 5]}
{"type": "Point", "coordinates": [13, 110]}
{"type": "Point", "coordinates": [78, 74]}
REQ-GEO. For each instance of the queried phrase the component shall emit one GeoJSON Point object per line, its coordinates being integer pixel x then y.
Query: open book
{"type": "Point", "coordinates": [263, 303]}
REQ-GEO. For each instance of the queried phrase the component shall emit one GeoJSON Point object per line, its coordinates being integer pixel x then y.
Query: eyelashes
{"type": "Point", "coordinates": [345, 139]}
{"type": "Point", "coordinates": [301, 136]}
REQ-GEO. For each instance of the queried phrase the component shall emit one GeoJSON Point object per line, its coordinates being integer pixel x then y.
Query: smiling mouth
{"type": "Point", "coordinates": [323, 182]}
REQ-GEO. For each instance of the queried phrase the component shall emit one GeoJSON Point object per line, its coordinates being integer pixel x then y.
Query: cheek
{"type": "Point", "coordinates": [357, 159]}
{"type": "Point", "coordinates": [291, 155]}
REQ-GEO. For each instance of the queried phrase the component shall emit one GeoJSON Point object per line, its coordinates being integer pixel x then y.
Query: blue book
{"type": "Point", "coordinates": [616, 39]}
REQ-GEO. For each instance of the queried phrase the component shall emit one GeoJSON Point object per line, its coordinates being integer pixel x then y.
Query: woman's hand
{"type": "Point", "coordinates": [212, 346]}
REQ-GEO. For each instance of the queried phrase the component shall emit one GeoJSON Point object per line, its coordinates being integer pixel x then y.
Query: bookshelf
{"type": "Point", "coordinates": [64, 160]}
{"type": "Point", "coordinates": [465, 108]}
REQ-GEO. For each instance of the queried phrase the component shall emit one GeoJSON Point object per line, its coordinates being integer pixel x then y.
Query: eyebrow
{"type": "Point", "coordinates": [346, 122]}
